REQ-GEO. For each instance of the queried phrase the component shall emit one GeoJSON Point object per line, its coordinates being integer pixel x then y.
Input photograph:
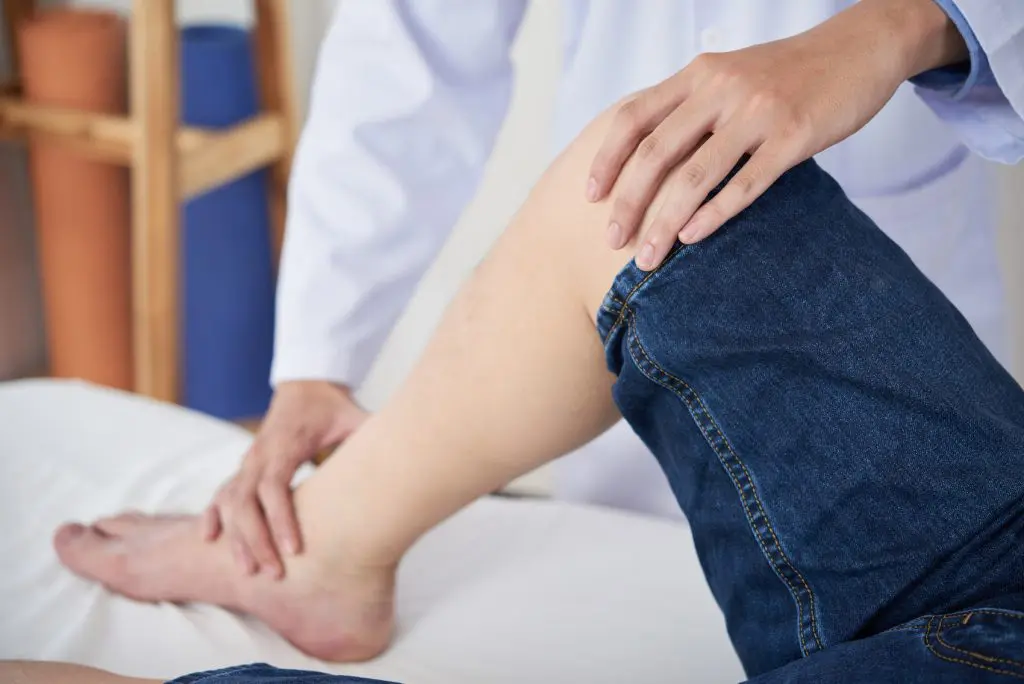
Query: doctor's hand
{"type": "Point", "coordinates": [254, 509]}
{"type": "Point", "coordinates": [780, 103]}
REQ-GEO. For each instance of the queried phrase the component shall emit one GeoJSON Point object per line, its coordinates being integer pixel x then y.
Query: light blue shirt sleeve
{"type": "Point", "coordinates": [981, 100]}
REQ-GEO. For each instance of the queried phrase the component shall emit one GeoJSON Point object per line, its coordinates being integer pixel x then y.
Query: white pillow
{"type": "Point", "coordinates": [506, 591]}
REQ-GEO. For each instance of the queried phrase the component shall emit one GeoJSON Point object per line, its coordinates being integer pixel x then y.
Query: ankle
{"type": "Point", "coordinates": [317, 573]}
{"type": "Point", "coordinates": [333, 611]}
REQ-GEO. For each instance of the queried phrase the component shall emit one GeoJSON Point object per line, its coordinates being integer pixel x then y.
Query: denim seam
{"type": "Point", "coordinates": [987, 658]}
{"type": "Point", "coordinates": [951, 659]}
{"type": "Point", "coordinates": [776, 557]}
{"type": "Point", "coordinates": [921, 622]}
{"type": "Point", "coordinates": [605, 307]}
{"type": "Point", "coordinates": [986, 611]}
{"type": "Point", "coordinates": [615, 325]}
{"type": "Point", "coordinates": [624, 303]}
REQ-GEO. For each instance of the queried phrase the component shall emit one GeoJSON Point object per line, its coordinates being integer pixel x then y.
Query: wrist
{"type": "Point", "coordinates": [924, 37]}
{"type": "Point", "coordinates": [322, 394]}
{"type": "Point", "coordinates": [288, 385]}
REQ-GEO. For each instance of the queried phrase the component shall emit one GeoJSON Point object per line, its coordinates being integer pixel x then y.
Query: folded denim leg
{"type": "Point", "coordinates": [846, 449]}
{"type": "Point", "coordinates": [980, 645]}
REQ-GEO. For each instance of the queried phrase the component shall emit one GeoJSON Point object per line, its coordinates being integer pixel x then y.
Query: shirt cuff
{"type": "Point", "coordinates": [317, 362]}
{"type": "Point", "coordinates": [976, 104]}
{"type": "Point", "coordinates": [957, 80]}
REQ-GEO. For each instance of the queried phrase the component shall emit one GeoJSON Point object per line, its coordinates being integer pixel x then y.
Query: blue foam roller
{"type": "Point", "coordinates": [228, 302]}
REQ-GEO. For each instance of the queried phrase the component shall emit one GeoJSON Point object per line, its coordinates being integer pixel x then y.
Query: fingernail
{"type": "Point", "coordinates": [614, 235]}
{"type": "Point", "coordinates": [645, 259]}
{"type": "Point", "coordinates": [289, 546]}
{"type": "Point", "coordinates": [592, 189]}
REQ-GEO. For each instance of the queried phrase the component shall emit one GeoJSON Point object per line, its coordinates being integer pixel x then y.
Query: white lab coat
{"type": "Point", "coordinates": [409, 96]}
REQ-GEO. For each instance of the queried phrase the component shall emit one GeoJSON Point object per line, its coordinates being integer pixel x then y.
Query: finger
{"type": "Point", "coordinates": [749, 183]}
{"type": "Point", "coordinates": [243, 557]}
{"type": "Point", "coordinates": [250, 526]}
{"type": "Point", "coordinates": [669, 143]}
{"type": "Point", "coordinates": [633, 119]}
{"type": "Point", "coordinates": [692, 181]}
{"type": "Point", "coordinates": [211, 523]}
{"type": "Point", "coordinates": [276, 500]}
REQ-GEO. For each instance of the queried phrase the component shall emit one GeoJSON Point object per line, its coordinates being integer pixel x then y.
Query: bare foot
{"type": "Point", "coordinates": [333, 614]}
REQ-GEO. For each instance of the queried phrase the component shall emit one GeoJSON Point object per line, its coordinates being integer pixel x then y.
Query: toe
{"type": "Point", "coordinates": [87, 552]}
{"type": "Point", "coordinates": [144, 558]}
{"type": "Point", "coordinates": [66, 534]}
{"type": "Point", "coordinates": [120, 525]}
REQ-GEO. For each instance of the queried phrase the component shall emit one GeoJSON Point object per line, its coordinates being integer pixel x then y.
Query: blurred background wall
{"type": "Point", "coordinates": [522, 153]}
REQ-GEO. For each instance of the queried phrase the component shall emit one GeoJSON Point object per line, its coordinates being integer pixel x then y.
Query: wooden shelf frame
{"type": "Point", "coordinates": [169, 163]}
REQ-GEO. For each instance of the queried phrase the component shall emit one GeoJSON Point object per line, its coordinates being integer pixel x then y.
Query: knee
{"type": "Point", "coordinates": [560, 218]}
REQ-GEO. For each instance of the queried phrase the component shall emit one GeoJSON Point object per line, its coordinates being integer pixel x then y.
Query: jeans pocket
{"type": "Point", "coordinates": [985, 638]}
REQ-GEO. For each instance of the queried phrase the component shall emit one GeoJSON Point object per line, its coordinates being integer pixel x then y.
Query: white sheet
{"type": "Point", "coordinates": [507, 591]}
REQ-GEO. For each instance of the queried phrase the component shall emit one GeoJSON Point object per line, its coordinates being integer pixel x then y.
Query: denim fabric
{"type": "Point", "coordinates": [847, 451]}
{"type": "Point", "coordinates": [261, 673]}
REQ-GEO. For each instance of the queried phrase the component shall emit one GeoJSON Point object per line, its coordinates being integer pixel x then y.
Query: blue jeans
{"type": "Point", "coordinates": [849, 455]}
{"type": "Point", "coordinates": [261, 673]}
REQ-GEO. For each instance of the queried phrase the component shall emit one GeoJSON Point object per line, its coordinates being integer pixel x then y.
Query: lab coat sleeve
{"type": "Point", "coordinates": [407, 100]}
{"type": "Point", "coordinates": [984, 104]}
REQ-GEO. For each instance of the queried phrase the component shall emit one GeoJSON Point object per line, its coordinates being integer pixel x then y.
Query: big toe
{"type": "Point", "coordinates": [67, 536]}
{"type": "Point", "coordinates": [122, 524]}
{"type": "Point", "coordinates": [85, 551]}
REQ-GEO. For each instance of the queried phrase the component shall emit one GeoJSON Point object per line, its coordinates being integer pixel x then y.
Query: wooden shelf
{"type": "Point", "coordinates": [169, 163]}
{"type": "Point", "coordinates": [207, 158]}
{"type": "Point", "coordinates": [221, 157]}
{"type": "Point", "coordinates": [101, 137]}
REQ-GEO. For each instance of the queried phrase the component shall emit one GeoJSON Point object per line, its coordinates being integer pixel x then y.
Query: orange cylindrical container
{"type": "Point", "coordinates": [77, 59]}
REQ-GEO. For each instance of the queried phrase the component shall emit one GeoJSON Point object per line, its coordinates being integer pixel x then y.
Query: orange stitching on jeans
{"type": "Point", "coordinates": [986, 658]}
{"type": "Point", "coordinates": [668, 258]}
{"type": "Point", "coordinates": [967, 613]}
{"type": "Point", "coordinates": [950, 659]}
{"type": "Point", "coordinates": [610, 309]}
{"type": "Point", "coordinates": [750, 478]}
{"type": "Point", "coordinates": [756, 497]}
{"type": "Point", "coordinates": [990, 611]}
{"type": "Point", "coordinates": [760, 506]}
{"type": "Point", "coordinates": [736, 483]}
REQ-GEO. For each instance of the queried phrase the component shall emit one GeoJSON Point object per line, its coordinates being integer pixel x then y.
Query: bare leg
{"type": "Point", "coordinates": [514, 377]}
{"type": "Point", "coordinates": [20, 672]}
